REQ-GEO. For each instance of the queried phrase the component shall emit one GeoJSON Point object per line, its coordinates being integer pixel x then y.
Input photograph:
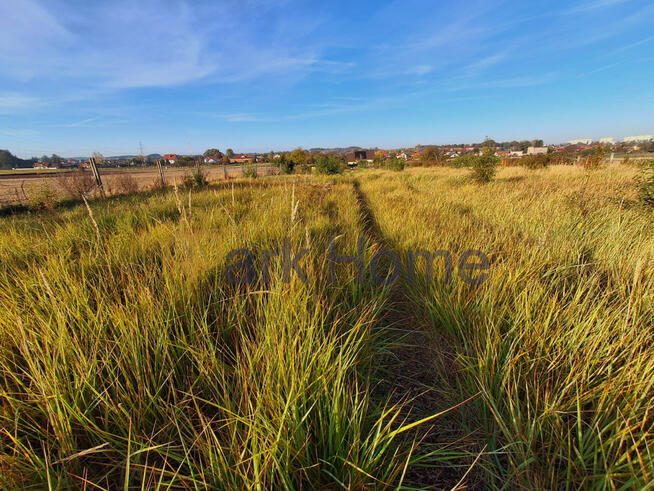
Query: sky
{"type": "Point", "coordinates": [181, 76]}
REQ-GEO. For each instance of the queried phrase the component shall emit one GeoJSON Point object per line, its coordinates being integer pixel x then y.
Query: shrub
{"type": "Point", "coordinates": [484, 167]}
{"type": "Point", "coordinates": [394, 164]}
{"type": "Point", "coordinates": [592, 159]}
{"type": "Point", "coordinates": [534, 161]}
{"type": "Point", "coordinates": [125, 184]}
{"type": "Point", "coordinates": [465, 160]}
{"type": "Point", "coordinates": [43, 197]}
{"type": "Point", "coordinates": [362, 164]}
{"type": "Point", "coordinates": [196, 180]}
{"type": "Point", "coordinates": [329, 165]}
{"type": "Point", "coordinates": [645, 182]}
{"type": "Point", "coordinates": [76, 184]}
{"type": "Point", "coordinates": [250, 171]}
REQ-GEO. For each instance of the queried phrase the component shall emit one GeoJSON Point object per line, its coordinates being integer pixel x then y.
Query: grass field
{"type": "Point", "coordinates": [127, 360]}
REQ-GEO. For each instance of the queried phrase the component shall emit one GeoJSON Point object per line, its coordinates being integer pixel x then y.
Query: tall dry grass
{"type": "Point", "coordinates": [559, 338]}
{"type": "Point", "coordinates": [127, 360]}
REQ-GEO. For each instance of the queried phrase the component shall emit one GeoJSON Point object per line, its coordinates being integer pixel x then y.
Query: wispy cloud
{"type": "Point", "coordinates": [595, 5]}
{"type": "Point", "coordinates": [11, 102]}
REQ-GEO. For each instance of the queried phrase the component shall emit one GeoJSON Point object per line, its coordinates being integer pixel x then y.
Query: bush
{"type": "Point", "coordinates": [77, 183]}
{"type": "Point", "coordinates": [250, 171]}
{"type": "Point", "coordinates": [645, 182]}
{"type": "Point", "coordinates": [533, 162]}
{"type": "Point", "coordinates": [196, 180]}
{"type": "Point", "coordinates": [125, 184]}
{"type": "Point", "coordinates": [484, 167]}
{"type": "Point", "coordinates": [592, 159]}
{"type": "Point", "coordinates": [329, 165]}
{"type": "Point", "coordinates": [394, 164]}
{"type": "Point", "coordinates": [464, 160]}
{"type": "Point", "coordinates": [43, 197]}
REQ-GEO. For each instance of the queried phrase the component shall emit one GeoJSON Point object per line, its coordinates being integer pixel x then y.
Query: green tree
{"type": "Point", "coordinates": [329, 164]}
{"type": "Point", "coordinates": [213, 153]}
{"type": "Point", "coordinates": [300, 159]}
{"type": "Point", "coordinates": [230, 153]}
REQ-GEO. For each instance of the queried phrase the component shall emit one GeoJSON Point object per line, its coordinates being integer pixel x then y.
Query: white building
{"type": "Point", "coordinates": [516, 153]}
{"type": "Point", "coordinates": [581, 141]}
{"type": "Point", "coordinates": [537, 150]}
{"type": "Point", "coordinates": [607, 141]}
{"type": "Point", "coordinates": [639, 139]}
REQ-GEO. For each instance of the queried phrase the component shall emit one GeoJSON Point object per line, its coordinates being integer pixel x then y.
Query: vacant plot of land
{"type": "Point", "coordinates": [137, 349]}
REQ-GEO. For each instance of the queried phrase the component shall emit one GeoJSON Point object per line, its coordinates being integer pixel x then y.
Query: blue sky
{"type": "Point", "coordinates": [256, 75]}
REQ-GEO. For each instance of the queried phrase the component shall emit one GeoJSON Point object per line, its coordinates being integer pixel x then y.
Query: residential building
{"type": "Point", "coordinates": [171, 158]}
{"type": "Point", "coordinates": [241, 158]}
{"type": "Point", "coordinates": [537, 150]}
{"type": "Point", "coordinates": [639, 139]}
{"type": "Point", "coordinates": [357, 155]}
{"type": "Point", "coordinates": [581, 141]}
{"type": "Point", "coordinates": [607, 141]}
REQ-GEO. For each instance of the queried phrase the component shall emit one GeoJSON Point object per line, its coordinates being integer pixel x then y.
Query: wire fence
{"type": "Point", "coordinates": [54, 187]}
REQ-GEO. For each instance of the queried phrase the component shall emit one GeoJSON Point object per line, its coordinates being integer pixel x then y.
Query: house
{"type": "Point", "coordinates": [241, 158]}
{"type": "Point", "coordinates": [639, 139]}
{"type": "Point", "coordinates": [502, 153]}
{"type": "Point", "coordinates": [537, 150]}
{"type": "Point", "coordinates": [357, 155]}
{"type": "Point", "coordinates": [210, 160]}
{"type": "Point", "coordinates": [516, 153]}
{"type": "Point", "coordinates": [171, 158]}
{"type": "Point", "coordinates": [403, 156]}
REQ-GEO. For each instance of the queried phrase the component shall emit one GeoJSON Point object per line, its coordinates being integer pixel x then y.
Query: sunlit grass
{"type": "Point", "coordinates": [128, 361]}
{"type": "Point", "coordinates": [559, 338]}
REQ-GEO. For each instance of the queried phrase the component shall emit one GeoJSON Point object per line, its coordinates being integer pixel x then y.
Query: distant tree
{"type": "Point", "coordinates": [55, 159]}
{"type": "Point", "coordinates": [537, 143]}
{"type": "Point", "coordinates": [9, 161]}
{"type": "Point", "coordinates": [432, 156]}
{"type": "Point", "coordinates": [489, 142]}
{"type": "Point", "coordinates": [213, 153]}
{"type": "Point", "coordinates": [300, 159]}
{"type": "Point", "coordinates": [99, 158]}
{"type": "Point", "coordinates": [285, 164]}
{"type": "Point", "coordinates": [329, 164]}
{"type": "Point", "coordinates": [230, 153]}
{"type": "Point", "coordinates": [379, 158]}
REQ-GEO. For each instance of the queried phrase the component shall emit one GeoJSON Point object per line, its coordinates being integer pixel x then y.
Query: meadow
{"type": "Point", "coordinates": [127, 360]}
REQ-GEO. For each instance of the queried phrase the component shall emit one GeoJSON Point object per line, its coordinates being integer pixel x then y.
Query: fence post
{"type": "Point", "coordinates": [161, 174]}
{"type": "Point", "coordinates": [96, 174]}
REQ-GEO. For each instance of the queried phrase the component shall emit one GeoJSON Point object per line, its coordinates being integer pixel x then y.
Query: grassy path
{"type": "Point", "coordinates": [408, 372]}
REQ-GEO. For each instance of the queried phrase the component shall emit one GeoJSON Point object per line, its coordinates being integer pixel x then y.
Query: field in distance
{"type": "Point", "coordinates": [130, 357]}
